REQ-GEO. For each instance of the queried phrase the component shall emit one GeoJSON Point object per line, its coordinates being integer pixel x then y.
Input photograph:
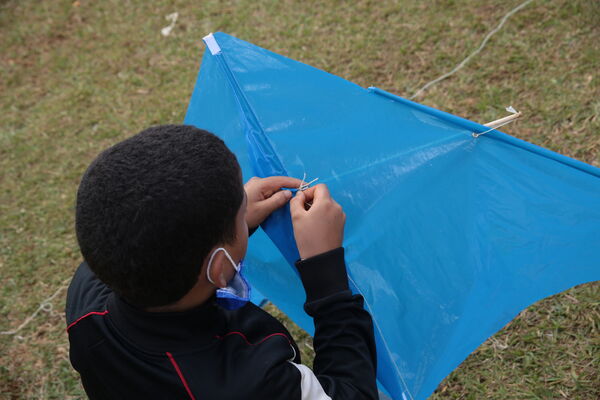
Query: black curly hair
{"type": "Point", "coordinates": [150, 208]}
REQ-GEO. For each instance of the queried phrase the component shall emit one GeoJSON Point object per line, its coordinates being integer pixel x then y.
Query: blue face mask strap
{"type": "Point", "coordinates": [210, 260]}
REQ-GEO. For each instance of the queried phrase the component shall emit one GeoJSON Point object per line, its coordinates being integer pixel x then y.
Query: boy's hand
{"type": "Point", "coordinates": [265, 196]}
{"type": "Point", "coordinates": [321, 227]}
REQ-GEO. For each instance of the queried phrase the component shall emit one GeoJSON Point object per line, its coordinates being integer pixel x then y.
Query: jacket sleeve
{"type": "Point", "coordinates": [345, 360]}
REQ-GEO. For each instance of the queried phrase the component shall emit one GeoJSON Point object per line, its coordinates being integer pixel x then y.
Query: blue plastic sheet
{"type": "Point", "coordinates": [447, 237]}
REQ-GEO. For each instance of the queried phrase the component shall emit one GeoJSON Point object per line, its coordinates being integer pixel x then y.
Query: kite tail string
{"type": "Point", "coordinates": [473, 54]}
{"type": "Point", "coordinates": [45, 305]}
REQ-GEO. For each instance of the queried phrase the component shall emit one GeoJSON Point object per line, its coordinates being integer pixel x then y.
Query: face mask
{"type": "Point", "coordinates": [237, 292]}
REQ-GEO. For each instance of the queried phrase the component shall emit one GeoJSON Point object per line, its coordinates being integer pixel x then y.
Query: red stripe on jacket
{"type": "Point", "coordinates": [85, 316]}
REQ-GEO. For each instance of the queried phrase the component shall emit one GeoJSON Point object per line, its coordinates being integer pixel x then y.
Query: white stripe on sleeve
{"type": "Point", "coordinates": [310, 385]}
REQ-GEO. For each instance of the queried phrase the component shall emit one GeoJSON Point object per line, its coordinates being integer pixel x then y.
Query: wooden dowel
{"type": "Point", "coordinates": [502, 121]}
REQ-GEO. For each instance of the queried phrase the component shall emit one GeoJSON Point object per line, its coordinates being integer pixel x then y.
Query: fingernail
{"type": "Point", "coordinates": [287, 194]}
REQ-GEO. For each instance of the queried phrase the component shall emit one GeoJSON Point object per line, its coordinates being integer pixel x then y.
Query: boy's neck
{"type": "Point", "coordinates": [197, 296]}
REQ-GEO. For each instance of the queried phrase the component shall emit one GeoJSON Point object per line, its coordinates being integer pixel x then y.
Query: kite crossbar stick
{"type": "Point", "coordinates": [501, 122]}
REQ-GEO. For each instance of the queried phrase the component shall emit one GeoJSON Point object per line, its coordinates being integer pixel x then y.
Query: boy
{"type": "Point", "coordinates": [162, 221]}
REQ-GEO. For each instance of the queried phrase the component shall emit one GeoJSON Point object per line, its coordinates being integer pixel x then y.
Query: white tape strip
{"type": "Point", "coordinates": [212, 44]}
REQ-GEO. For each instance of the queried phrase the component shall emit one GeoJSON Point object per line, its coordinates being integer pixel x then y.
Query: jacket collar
{"type": "Point", "coordinates": [166, 331]}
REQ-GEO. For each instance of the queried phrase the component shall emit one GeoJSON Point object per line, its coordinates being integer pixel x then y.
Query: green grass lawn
{"type": "Point", "coordinates": [78, 76]}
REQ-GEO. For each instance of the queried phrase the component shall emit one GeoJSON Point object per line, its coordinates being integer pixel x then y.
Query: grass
{"type": "Point", "coordinates": [77, 76]}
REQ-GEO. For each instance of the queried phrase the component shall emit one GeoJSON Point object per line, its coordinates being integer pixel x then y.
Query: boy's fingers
{"type": "Point", "coordinates": [309, 193]}
{"type": "Point", "coordinates": [321, 192]}
{"type": "Point", "coordinates": [297, 204]}
{"type": "Point", "coordinates": [274, 183]}
{"type": "Point", "coordinates": [277, 200]}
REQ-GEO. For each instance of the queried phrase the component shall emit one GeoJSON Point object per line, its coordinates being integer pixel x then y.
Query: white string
{"type": "Point", "coordinates": [302, 182]}
{"type": "Point", "coordinates": [166, 31]}
{"type": "Point", "coordinates": [481, 46]}
{"type": "Point", "coordinates": [45, 305]}
{"type": "Point", "coordinates": [305, 186]}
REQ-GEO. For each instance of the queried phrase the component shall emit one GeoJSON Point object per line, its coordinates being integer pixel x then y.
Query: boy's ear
{"type": "Point", "coordinates": [217, 270]}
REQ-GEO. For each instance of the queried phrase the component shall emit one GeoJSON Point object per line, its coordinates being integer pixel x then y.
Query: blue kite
{"type": "Point", "coordinates": [449, 235]}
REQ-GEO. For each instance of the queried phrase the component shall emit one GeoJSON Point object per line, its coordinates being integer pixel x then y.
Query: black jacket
{"type": "Point", "coordinates": [122, 352]}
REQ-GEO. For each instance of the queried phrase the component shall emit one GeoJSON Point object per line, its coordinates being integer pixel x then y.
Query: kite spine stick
{"type": "Point", "coordinates": [502, 121]}
{"type": "Point", "coordinates": [258, 140]}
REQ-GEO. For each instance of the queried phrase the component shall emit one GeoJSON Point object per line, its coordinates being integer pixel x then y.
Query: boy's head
{"type": "Point", "coordinates": [151, 208]}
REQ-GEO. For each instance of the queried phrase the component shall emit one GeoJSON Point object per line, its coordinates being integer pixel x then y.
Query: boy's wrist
{"type": "Point", "coordinates": [323, 274]}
